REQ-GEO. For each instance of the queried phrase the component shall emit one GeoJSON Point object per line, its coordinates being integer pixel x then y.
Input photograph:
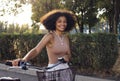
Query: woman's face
{"type": "Point", "coordinates": [61, 24]}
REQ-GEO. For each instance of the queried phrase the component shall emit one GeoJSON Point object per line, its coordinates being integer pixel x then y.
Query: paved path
{"type": "Point", "coordinates": [30, 75]}
{"type": "Point", "coordinates": [23, 77]}
{"type": "Point", "coordinates": [86, 78]}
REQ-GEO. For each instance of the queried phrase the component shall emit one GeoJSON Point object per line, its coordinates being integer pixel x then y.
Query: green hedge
{"type": "Point", "coordinates": [16, 46]}
{"type": "Point", "coordinates": [6, 47]}
{"type": "Point", "coordinates": [96, 51]}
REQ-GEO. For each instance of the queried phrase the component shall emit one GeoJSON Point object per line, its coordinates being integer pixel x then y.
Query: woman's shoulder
{"type": "Point", "coordinates": [66, 35]}
{"type": "Point", "coordinates": [49, 35]}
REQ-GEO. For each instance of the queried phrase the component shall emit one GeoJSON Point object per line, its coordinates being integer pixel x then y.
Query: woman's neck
{"type": "Point", "coordinates": [59, 33]}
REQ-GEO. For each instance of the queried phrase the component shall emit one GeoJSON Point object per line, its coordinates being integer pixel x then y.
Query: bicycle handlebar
{"type": "Point", "coordinates": [23, 65]}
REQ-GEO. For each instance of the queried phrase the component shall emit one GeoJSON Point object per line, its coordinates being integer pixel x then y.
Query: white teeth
{"type": "Point", "coordinates": [62, 26]}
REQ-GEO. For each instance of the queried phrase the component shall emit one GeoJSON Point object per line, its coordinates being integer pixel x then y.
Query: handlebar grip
{"type": "Point", "coordinates": [22, 64]}
{"type": "Point", "coordinates": [8, 63]}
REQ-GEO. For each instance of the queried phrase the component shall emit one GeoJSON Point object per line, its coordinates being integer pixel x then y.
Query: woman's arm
{"type": "Point", "coordinates": [36, 50]}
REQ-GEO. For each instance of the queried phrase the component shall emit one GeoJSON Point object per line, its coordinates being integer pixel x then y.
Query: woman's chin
{"type": "Point", "coordinates": [62, 30]}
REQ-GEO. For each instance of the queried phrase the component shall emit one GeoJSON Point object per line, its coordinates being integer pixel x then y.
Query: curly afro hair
{"type": "Point", "coordinates": [49, 19]}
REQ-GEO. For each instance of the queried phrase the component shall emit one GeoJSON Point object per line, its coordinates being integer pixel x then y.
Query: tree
{"type": "Point", "coordinates": [90, 19]}
{"type": "Point", "coordinates": [91, 15]}
{"type": "Point", "coordinates": [10, 7]}
{"type": "Point", "coordinates": [40, 7]}
{"type": "Point", "coordinates": [111, 14]}
{"type": "Point", "coordinates": [79, 8]}
{"type": "Point", "coordinates": [116, 14]}
{"type": "Point", "coordinates": [2, 28]}
{"type": "Point", "coordinates": [85, 11]}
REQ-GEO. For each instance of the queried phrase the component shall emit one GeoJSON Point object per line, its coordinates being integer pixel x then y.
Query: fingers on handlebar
{"type": "Point", "coordinates": [13, 62]}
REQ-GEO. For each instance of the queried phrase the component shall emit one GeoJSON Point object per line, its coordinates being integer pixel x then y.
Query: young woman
{"type": "Point", "coordinates": [56, 41]}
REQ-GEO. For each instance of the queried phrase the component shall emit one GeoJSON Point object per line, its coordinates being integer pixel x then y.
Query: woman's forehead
{"type": "Point", "coordinates": [62, 17]}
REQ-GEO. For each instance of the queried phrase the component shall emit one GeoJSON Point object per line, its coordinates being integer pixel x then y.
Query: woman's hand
{"type": "Point", "coordinates": [15, 62]}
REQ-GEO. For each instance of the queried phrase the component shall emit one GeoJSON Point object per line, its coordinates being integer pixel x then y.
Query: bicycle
{"type": "Point", "coordinates": [44, 75]}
